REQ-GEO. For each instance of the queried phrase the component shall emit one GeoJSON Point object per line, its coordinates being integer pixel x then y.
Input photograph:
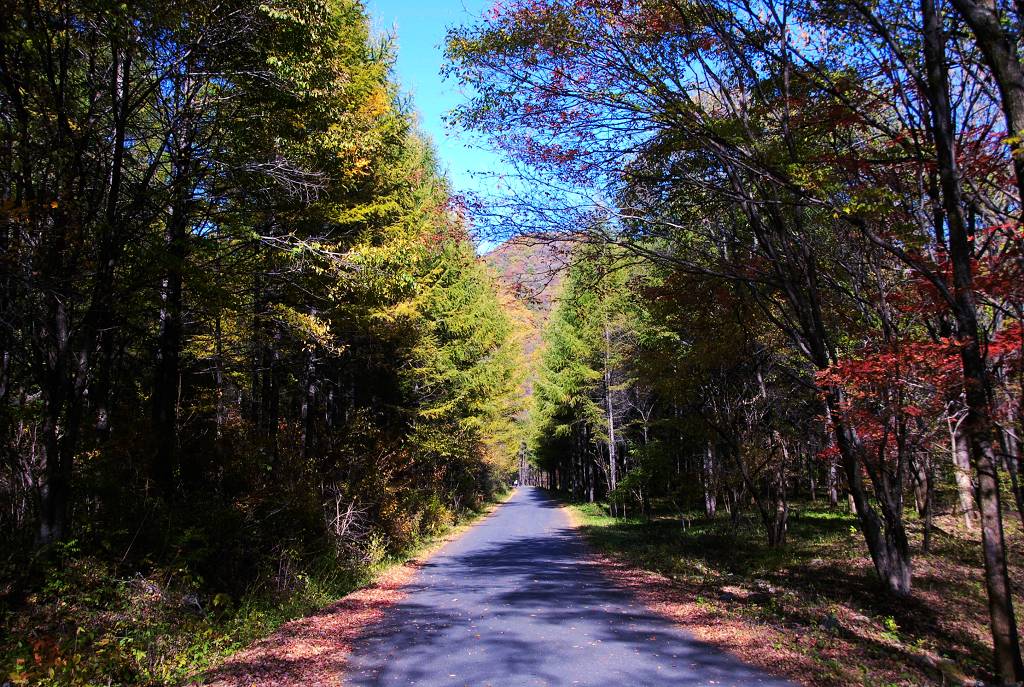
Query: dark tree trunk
{"type": "Point", "coordinates": [167, 370]}
{"type": "Point", "coordinates": [272, 393]}
{"type": "Point", "coordinates": [109, 243]}
{"type": "Point", "coordinates": [777, 501]}
{"type": "Point", "coordinates": [978, 426]}
{"type": "Point", "coordinates": [55, 486]}
{"type": "Point", "coordinates": [308, 410]}
{"type": "Point", "coordinates": [919, 473]}
{"type": "Point", "coordinates": [886, 538]}
{"type": "Point", "coordinates": [218, 376]}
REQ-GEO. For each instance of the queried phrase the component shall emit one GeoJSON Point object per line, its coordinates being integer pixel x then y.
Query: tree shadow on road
{"type": "Point", "coordinates": [532, 610]}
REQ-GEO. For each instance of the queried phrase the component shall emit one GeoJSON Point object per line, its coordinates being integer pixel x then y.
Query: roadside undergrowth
{"type": "Point", "coordinates": [313, 649]}
{"type": "Point", "coordinates": [90, 624]}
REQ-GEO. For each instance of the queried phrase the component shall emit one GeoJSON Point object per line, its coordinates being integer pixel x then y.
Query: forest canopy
{"type": "Point", "coordinates": [800, 255]}
{"type": "Point", "coordinates": [247, 345]}
{"type": "Point", "coordinates": [249, 352]}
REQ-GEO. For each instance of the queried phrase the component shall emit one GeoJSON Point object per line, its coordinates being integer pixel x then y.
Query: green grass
{"type": "Point", "coordinates": [715, 548]}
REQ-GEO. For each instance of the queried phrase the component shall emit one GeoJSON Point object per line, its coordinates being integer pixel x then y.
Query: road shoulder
{"type": "Point", "coordinates": [758, 645]}
{"type": "Point", "coordinates": [313, 650]}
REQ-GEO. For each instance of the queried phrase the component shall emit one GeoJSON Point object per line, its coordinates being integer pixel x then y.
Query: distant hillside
{"type": "Point", "coordinates": [530, 270]}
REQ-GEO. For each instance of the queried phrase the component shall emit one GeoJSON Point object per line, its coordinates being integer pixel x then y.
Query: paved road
{"type": "Point", "coordinates": [510, 603]}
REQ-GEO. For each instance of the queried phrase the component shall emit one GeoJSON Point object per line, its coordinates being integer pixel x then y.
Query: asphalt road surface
{"type": "Point", "coordinates": [512, 603]}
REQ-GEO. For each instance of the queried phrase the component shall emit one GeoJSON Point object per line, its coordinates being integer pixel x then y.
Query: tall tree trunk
{"type": "Point", "coordinates": [796, 270]}
{"type": "Point", "coordinates": [919, 478]}
{"type": "Point", "coordinates": [55, 486]}
{"type": "Point", "coordinates": [928, 511]}
{"type": "Point", "coordinates": [960, 451]}
{"type": "Point", "coordinates": [833, 482]}
{"type": "Point", "coordinates": [710, 483]}
{"type": "Point", "coordinates": [218, 376]}
{"type": "Point", "coordinates": [110, 243]}
{"type": "Point", "coordinates": [812, 476]}
{"type": "Point", "coordinates": [308, 410]}
{"type": "Point", "coordinates": [777, 498]}
{"type": "Point", "coordinates": [272, 394]}
{"type": "Point", "coordinates": [64, 376]}
{"type": "Point", "coordinates": [610, 414]}
{"type": "Point", "coordinates": [886, 539]}
{"type": "Point", "coordinates": [168, 352]}
{"type": "Point", "coordinates": [256, 352]}
{"type": "Point", "coordinates": [978, 426]}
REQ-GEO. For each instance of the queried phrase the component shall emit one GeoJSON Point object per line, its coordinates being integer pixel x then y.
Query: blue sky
{"type": "Point", "coordinates": [420, 27]}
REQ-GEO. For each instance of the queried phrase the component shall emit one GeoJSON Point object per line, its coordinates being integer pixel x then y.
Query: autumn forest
{"type": "Point", "coordinates": [748, 297]}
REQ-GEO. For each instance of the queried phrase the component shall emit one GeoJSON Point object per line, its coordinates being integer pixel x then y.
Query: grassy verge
{"type": "Point", "coordinates": [815, 603]}
{"type": "Point", "coordinates": [86, 625]}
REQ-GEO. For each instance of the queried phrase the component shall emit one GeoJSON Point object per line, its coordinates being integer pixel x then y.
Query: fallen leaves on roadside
{"type": "Point", "coordinates": [313, 650]}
